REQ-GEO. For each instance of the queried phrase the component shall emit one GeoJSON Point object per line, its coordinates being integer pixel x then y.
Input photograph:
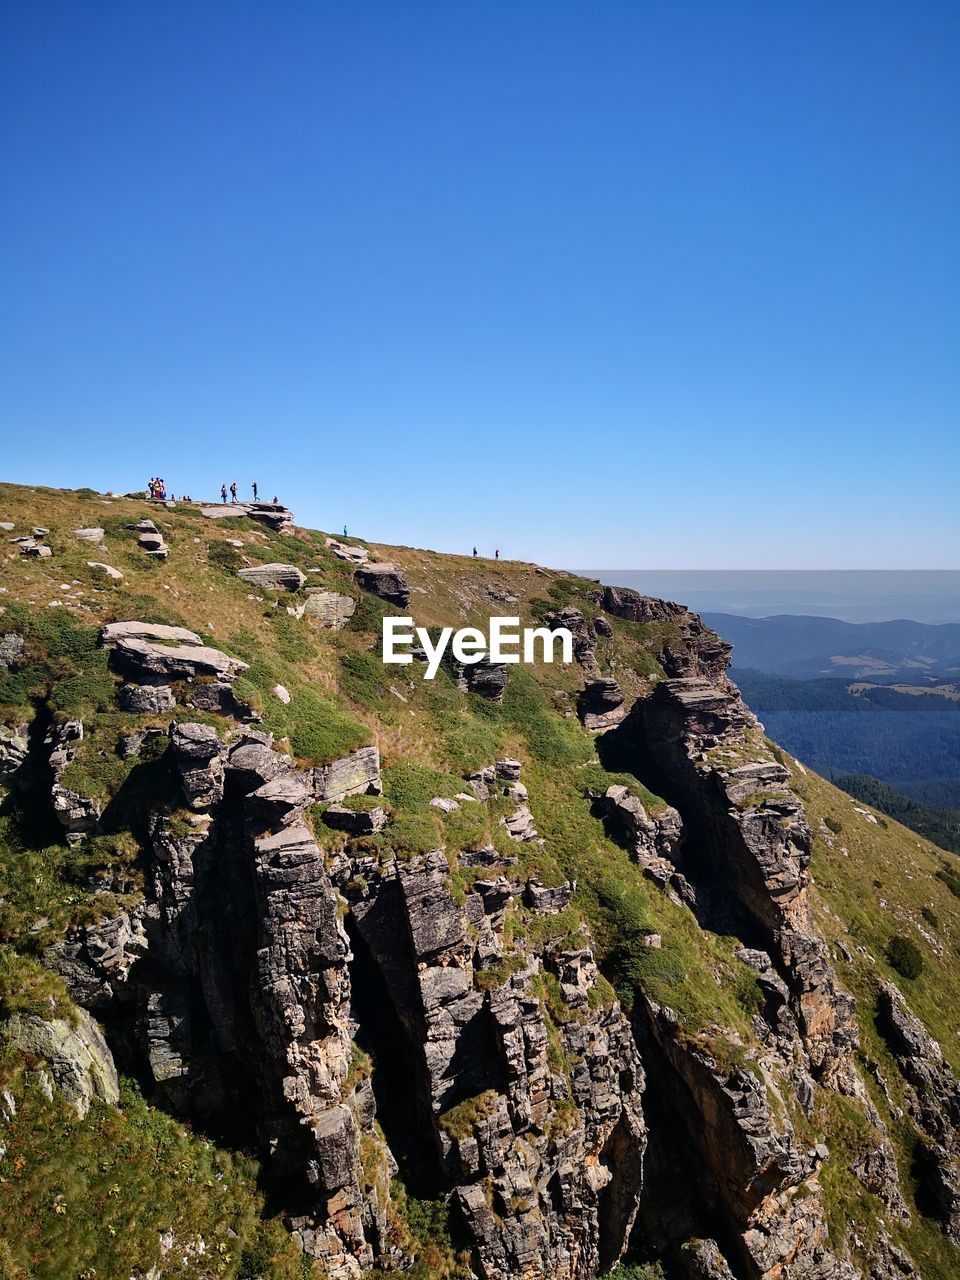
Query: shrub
{"type": "Point", "coordinates": [931, 917]}
{"type": "Point", "coordinates": [411, 787]}
{"type": "Point", "coordinates": [834, 824]}
{"type": "Point", "coordinates": [905, 956]}
{"type": "Point", "coordinates": [224, 556]}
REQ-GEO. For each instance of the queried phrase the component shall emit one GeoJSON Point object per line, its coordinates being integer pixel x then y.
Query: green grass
{"type": "Point", "coordinates": [93, 1196]}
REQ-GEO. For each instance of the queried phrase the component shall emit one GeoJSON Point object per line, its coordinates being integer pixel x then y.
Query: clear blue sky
{"type": "Point", "coordinates": [629, 284]}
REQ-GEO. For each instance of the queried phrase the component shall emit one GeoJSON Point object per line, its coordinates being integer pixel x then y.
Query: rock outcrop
{"type": "Point", "coordinates": [331, 609]}
{"type": "Point", "coordinates": [655, 842]}
{"type": "Point", "coordinates": [584, 637]}
{"type": "Point", "coordinates": [139, 653]}
{"type": "Point", "coordinates": [150, 540]}
{"type": "Point", "coordinates": [748, 848]}
{"type": "Point", "coordinates": [545, 1160]}
{"type": "Point", "coordinates": [273, 515]}
{"type": "Point", "coordinates": [933, 1100]}
{"type": "Point", "coordinates": [32, 545]}
{"type": "Point", "coordinates": [77, 814]}
{"type": "Point", "coordinates": [601, 705]}
{"type": "Point", "coordinates": [689, 648]}
{"type": "Point", "coordinates": [275, 577]}
{"type": "Point", "coordinates": [14, 749]}
{"type": "Point", "coordinates": [486, 678]}
{"type": "Point", "coordinates": [239, 954]}
{"type": "Point", "coordinates": [384, 580]}
{"type": "Point", "coordinates": [76, 1052]}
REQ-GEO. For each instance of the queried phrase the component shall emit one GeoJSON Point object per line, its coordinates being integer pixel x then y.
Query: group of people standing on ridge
{"type": "Point", "coordinates": [233, 493]}
{"type": "Point", "coordinates": [158, 489]}
{"type": "Point", "coordinates": [496, 554]}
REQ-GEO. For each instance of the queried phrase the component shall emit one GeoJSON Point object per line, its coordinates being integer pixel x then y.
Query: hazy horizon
{"type": "Point", "coordinates": [852, 595]}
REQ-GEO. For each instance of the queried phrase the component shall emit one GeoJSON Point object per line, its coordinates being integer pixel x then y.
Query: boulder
{"type": "Point", "coordinates": [275, 577]}
{"type": "Point", "coordinates": [355, 822]}
{"type": "Point", "coordinates": [14, 748]}
{"type": "Point", "coordinates": [78, 1056]}
{"type": "Point", "coordinates": [11, 651]}
{"type": "Point", "coordinates": [107, 569]}
{"type": "Point", "coordinates": [272, 514]}
{"type": "Point", "coordinates": [343, 551]}
{"type": "Point", "coordinates": [252, 764]}
{"type": "Point", "coordinates": [547, 900]}
{"type": "Point", "coordinates": [354, 775]}
{"type": "Point", "coordinates": [486, 678]}
{"type": "Point", "coordinates": [31, 547]}
{"type": "Point", "coordinates": [384, 580]}
{"type": "Point", "coordinates": [146, 699]}
{"type": "Point", "coordinates": [218, 697]}
{"type": "Point", "coordinates": [94, 535]}
{"type": "Point", "coordinates": [153, 545]}
{"type": "Point", "coordinates": [143, 659]}
{"type": "Point", "coordinates": [444, 805]}
{"type": "Point", "coordinates": [196, 753]}
{"type": "Point", "coordinates": [114, 632]}
{"type": "Point", "coordinates": [331, 608]}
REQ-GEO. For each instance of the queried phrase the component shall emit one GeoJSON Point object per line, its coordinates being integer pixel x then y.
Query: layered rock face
{"type": "Point", "coordinates": [748, 849]}
{"type": "Point", "coordinates": [692, 650]}
{"type": "Point", "coordinates": [933, 1100]}
{"type": "Point", "coordinates": [239, 993]}
{"type": "Point", "coordinates": [537, 1127]}
{"type": "Point", "coordinates": [358, 1013]}
{"type": "Point", "coordinates": [234, 974]}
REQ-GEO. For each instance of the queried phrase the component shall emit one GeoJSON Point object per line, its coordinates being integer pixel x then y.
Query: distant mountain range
{"type": "Point", "coordinates": [805, 647]}
{"type": "Point", "coordinates": [874, 706]}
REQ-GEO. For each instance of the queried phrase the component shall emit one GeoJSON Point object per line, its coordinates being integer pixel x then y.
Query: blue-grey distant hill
{"type": "Point", "coordinates": [861, 702]}
{"type": "Point", "coordinates": [807, 647]}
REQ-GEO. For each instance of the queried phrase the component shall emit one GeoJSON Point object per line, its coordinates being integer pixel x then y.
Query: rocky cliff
{"type": "Point", "coordinates": [512, 977]}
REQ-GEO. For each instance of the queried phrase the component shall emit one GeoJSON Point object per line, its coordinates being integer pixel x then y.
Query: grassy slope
{"type": "Point", "coordinates": [874, 881]}
{"type": "Point", "coordinates": [429, 734]}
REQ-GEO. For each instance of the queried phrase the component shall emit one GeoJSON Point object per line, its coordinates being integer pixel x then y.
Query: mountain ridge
{"type": "Point", "coordinates": [568, 913]}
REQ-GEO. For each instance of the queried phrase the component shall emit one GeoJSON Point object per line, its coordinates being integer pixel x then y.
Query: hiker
{"type": "Point", "coordinates": [254, 490]}
{"type": "Point", "coordinates": [233, 492]}
{"type": "Point", "coordinates": [345, 534]}
{"type": "Point", "coordinates": [496, 554]}
{"type": "Point", "coordinates": [276, 500]}
{"type": "Point", "coordinates": [223, 493]}
{"type": "Point", "coordinates": [474, 553]}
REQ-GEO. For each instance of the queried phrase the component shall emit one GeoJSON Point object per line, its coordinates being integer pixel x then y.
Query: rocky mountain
{"type": "Point", "coordinates": [310, 966]}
